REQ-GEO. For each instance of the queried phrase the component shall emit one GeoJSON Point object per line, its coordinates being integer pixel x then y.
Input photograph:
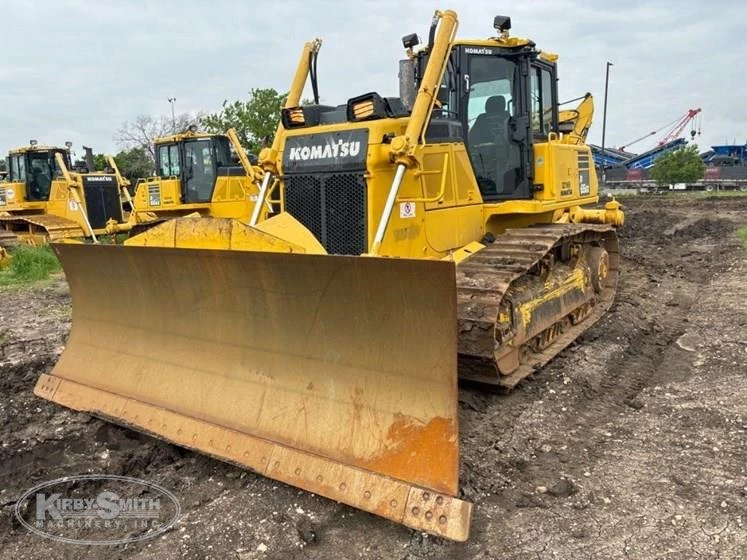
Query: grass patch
{"type": "Point", "coordinates": [29, 264]}
{"type": "Point", "coordinates": [742, 234]}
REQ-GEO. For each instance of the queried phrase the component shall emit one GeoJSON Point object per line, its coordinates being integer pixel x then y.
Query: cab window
{"type": "Point", "coordinates": [490, 106]}
{"type": "Point", "coordinates": [168, 156]}
{"type": "Point", "coordinates": [541, 101]}
{"type": "Point", "coordinates": [18, 169]}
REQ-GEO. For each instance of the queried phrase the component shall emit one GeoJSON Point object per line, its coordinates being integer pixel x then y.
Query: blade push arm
{"type": "Point", "coordinates": [403, 147]}
{"type": "Point", "coordinates": [268, 156]}
{"type": "Point", "coordinates": [73, 186]}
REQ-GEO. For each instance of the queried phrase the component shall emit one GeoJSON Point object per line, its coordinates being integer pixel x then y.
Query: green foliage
{"type": "Point", "coordinates": [680, 166]}
{"type": "Point", "coordinates": [255, 119]}
{"type": "Point", "coordinates": [99, 162]}
{"type": "Point", "coordinates": [742, 234]}
{"type": "Point", "coordinates": [29, 264]}
{"type": "Point", "coordinates": [134, 163]}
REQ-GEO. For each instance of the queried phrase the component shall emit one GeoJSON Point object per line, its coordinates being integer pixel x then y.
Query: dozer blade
{"type": "Point", "coordinates": [333, 374]}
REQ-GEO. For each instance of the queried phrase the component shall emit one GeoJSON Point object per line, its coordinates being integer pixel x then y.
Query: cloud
{"type": "Point", "coordinates": [78, 69]}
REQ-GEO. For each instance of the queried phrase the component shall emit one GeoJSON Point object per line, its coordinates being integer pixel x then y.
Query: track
{"type": "Point", "coordinates": [8, 239]}
{"type": "Point", "coordinates": [530, 272]}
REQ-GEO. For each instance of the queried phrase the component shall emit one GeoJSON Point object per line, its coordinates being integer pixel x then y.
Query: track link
{"type": "Point", "coordinates": [546, 269]}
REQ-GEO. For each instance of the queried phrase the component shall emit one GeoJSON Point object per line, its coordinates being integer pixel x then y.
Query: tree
{"type": "Point", "coordinates": [99, 162]}
{"type": "Point", "coordinates": [255, 119]}
{"type": "Point", "coordinates": [134, 163]}
{"type": "Point", "coordinates": [144, 129]}
{"type": "Point", "coordinates": [680, 166]}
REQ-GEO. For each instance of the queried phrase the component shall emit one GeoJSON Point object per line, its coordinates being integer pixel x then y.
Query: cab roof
{"type": "Point", "coordinates": [37, 148]}
{"type": "Point", "coordinates": [507, 43]}
{"type": "Point", "coordinates": [182, 136]}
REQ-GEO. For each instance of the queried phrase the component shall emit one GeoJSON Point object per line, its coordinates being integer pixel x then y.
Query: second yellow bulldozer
{"type": "Point", "coordinates": [43, 199]}
{"type": "Point", "coordinates": [447, 232]}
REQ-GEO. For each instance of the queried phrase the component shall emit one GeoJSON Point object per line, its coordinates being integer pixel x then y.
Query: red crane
{"type": "Point", "coordinates": [680, 126]}
{"type": "Point", "coordinates": [674, 129]}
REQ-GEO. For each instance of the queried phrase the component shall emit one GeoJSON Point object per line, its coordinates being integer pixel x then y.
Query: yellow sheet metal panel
{"type": "Point", "coordinates": [280, 234]}
{"type": "Point", "coordinates": [348, 358]}
{"type": "Point", "coordinates": [286, 227]}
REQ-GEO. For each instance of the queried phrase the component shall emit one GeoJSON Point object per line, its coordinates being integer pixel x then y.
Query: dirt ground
{"type": "Point", "coordinates": [631, 444]}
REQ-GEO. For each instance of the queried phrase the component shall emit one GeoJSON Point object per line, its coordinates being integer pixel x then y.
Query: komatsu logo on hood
{"type": "Point", "coordinates": [339, 149]}
{"type": "Point", "coordinates": [326, 152]}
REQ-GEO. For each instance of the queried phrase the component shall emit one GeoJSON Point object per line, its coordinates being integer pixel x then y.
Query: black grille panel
{"type": "Point", "coordinates": [102, 200]}
{"type": "Point", "coordinates": [332, 207]}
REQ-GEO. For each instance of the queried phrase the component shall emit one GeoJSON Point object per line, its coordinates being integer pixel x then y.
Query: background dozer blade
{"type": "Point", "coordinates": [334, 374]}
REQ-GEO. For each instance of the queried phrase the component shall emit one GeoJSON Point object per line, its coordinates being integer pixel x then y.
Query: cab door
{"type": "Point", "coordinates": [200, 170]}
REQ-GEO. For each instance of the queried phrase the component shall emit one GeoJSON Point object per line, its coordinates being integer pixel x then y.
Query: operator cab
{"type": "Point", "coordinates": [502, 93]}
{"type": "Point", "coordinates": [36, 167]}
{"type": "Point", "coordinates": [196, 160]}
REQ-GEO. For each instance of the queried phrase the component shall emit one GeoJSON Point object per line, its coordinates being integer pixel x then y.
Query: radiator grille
{"type": "Point", "coordinates": [102, 200]}
{"type": "Point", "coordinates": [332, 207]}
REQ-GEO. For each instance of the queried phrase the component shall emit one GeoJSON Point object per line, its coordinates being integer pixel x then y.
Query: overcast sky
{"type": "Point", "coordinates": [75, 70]}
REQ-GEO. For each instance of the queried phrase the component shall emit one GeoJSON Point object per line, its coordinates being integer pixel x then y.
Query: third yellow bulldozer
{"type": "Point", "coordinates": [446, 232]}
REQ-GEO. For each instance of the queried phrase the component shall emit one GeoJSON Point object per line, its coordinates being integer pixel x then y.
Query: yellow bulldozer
{"type": "Point", "coordinates": [196, 173]}
{"type": "Point", "coordinates": [43, 198]}
{"type": "Point", "coordinates": [450, 232]}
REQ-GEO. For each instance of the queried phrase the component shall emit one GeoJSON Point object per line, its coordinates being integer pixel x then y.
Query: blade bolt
{"type": "Point", "coordinates": [298, 472]}
{"type": "Point", "coordinates": [393, 503]}
{"type": "Point", "coordinates": [367, 495]}
{"type": "Point", "coordinates": [442, 519]}
{"type": "Point", "coordinates": [416, 511]}
{"type": "Point", "coordinates": [319, 478]}
{"type": "Point", "coordinates": [343, 486]}
{"type": "Point", "coordinates": [426, 496]}
{"type": "Point", "coordinates": [428, 515]}
{"type": "Point", "coordinates": [440, 500]}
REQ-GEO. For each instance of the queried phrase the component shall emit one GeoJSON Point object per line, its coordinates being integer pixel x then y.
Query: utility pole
{"type": "Point", "coordinates": [172, 100]}
{"type": "Point", "coordinates": [604, 124]}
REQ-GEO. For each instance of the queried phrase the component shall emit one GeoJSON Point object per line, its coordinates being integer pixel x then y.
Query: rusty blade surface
{"type": "Point", "coordinates": [350, 359]}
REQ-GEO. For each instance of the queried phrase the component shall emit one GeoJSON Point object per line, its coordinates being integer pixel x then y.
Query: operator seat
{"type": "Point", "coordinates": [490, 126]}
{"type": "Point", "coordinates": [489, 146]}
